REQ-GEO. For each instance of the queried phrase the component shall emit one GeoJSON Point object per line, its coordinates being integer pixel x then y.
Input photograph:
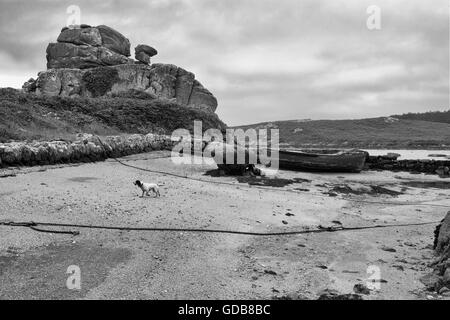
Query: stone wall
{"type": "Point", "coordinates": [86, 148]}
{"type": "Point", "coordinates": [415, 166]}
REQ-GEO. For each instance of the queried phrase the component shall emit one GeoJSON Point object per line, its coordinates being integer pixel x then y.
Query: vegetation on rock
{"type": "Point", "coordinates": [25, 116]}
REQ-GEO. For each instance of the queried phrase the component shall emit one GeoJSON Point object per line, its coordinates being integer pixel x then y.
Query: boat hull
{"type": "Point", "coordinates": [342, 161]}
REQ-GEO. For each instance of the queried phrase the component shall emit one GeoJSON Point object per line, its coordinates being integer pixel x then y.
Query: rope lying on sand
{"type": "Point", "coordinates": [34, 226]}
{"type": "Point", "coordinates": [423, 203]}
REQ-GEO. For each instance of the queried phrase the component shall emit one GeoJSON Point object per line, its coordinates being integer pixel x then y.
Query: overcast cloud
{"type": "Point", "coordinates": [265, 59]}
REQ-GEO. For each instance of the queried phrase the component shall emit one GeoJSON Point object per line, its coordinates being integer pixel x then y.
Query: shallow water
{"type": "Point", "coordinates": [412, 154]}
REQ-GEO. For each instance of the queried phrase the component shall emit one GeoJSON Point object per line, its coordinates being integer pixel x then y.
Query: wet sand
{"type": "Point", "coordinates": [184, 265]}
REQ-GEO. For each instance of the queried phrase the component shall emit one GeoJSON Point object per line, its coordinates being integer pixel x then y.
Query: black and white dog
{"type": "Point", "coordinates": [147, 187]}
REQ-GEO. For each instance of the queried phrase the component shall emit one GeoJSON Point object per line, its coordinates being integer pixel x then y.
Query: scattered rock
{"type": "Point", "coordinates": [388, 249]}
{"type": "Point", "coordinates": [267, 271]}
{"type": "Point", "coordinates": [444, 291]}
{"type": "Point", "coordinates": [361, 288]}
{"type": "Point", "coordinates": [29, 86]}
{"type": "Point", "coordinates": [443, 172]}
{"type": "Point", "coordinates": [399, 267]}
{"type": "Point", "coordinates": [290, 296]}
{"type": "Point", "coordinates": [284, 221]}
{"type": "Point", "coordinates": [329, 294]}
{"type": "Point", "coordinates": [432, 281]}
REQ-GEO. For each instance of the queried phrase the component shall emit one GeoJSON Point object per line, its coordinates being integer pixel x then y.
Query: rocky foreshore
{"type": "Point", "coordinates": [440, 167]}
{"type": "Point", "coordinates": [87, 148]}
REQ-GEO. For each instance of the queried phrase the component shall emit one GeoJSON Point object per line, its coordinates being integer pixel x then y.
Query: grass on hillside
{"type": "Point", "coordinates": [29, 117]}
{"type": "Point", "coordinates": [364, 133]}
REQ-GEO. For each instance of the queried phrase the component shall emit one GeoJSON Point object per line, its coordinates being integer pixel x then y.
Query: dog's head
{"type": "Point", "coordinates": [137, 183]}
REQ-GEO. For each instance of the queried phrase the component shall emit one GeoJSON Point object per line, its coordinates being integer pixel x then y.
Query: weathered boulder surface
{"type": "Point", "coordinates": [93, 62]}
{"type": "Point", "coordinates": [86, 148]}
{"type": "Point", "coordinates": [201, 98]}
{"type": "Point", "coordinates": [231, 159]}
{"type": "Point", "coordinates": [96, 36]}
{"type": "Point", "coordinates": [88, 47]}
{"type": "Point", "coordinates": [142, 57]}
{"type": "Point", "coordinates": [439, 279]}
{"type": "Point", "coordinates": [146, 49]}
{"type": "Point", "coordinates": [164, 81]}
{"type": "Point", "coordinates": [441, 167]}
{"type": "Point", "coordinates": [114, 40]}
{"type": "Point", "coordinates": [81, 36]}
{"type": "Point", "coordinates": [443, 235]}
{"type": "Point", "coordinates": [143, 53]}
{"type": "Point", "coordinates": [68, 55]}
{"type": "Point", "coordinates": [30, 85]}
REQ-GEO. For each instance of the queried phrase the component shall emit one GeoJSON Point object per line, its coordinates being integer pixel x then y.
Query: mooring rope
{"type": "Point", "coordinates": [34, 226]}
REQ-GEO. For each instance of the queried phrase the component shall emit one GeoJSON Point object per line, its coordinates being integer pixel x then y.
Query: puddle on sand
{"type": "Point", "coordinates": [371, 190]}
{"type": "Point", "coordinates": [41, 273]}
{"type": "Point", "coordinates": [270, 182]}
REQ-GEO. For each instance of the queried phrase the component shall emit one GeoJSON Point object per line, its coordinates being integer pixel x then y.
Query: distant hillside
{"type": "Point", "coordinates": [433, 116]}
{"type": "Point", "coordinates": [25, 116]}
{"type": "Point", "coordinates": [365, 133]}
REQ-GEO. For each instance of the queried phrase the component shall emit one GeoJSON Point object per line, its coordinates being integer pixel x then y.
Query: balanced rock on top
{"type": "Point", "coordinates": [143, 53]}
{"type": "Point", "coordinates": [94, 62]}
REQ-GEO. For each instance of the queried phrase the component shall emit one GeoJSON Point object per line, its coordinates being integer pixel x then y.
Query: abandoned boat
{"type": "Point", "coordinates": [322, 160]}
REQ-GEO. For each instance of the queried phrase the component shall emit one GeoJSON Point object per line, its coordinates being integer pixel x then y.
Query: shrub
{"type": "Point", "coordinates": [100, 80]}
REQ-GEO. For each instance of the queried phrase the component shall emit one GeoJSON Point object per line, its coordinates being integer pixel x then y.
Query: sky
{"type": "Point", "coordinates": [265, 60]}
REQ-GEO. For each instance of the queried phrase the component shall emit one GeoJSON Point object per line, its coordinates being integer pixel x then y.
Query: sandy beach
{"type": "Point", "coordinates": [194, 265]}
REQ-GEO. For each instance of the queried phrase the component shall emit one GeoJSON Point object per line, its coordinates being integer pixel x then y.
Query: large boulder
{"type": "Point", "coordinates": [147, 49]}
{"type": "Point", "coordinates": [201, 98]}
{"type": "Point", "coordinates": [48, 83]}
{"type": "Point", "coordinates": [442, 241]}
{"type": "Point", "coordinates": [114, 40]}
{"type": "Point", "coordinates": [93, 62]}
{"type": "Point", "coordinates": [142, 57]}
{"type": "Point", "coordinates": [81, 36]}
{"type": "Point", "coordinates": [60, 82]}
{"type": "Point", "coordinates": [88, 47]}
{"type": "Point", "coordinates": [439, 279]}
{"type": "Point", "coordinates": [232, 159]}
{"type": "Point", "coordinates": [68, 55]}
{"type": "Point", "coordinates": [29, 86]}
{"type": "Point", "coordinates": [163, 81]}
{"type": "Point", "coordinates": [143, 53]}
{"type": "Point", "coordinates": [183, 86]}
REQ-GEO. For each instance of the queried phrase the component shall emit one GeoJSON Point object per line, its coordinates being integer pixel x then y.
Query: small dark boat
{"type": "Point", "coordinates": [322, 160]}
